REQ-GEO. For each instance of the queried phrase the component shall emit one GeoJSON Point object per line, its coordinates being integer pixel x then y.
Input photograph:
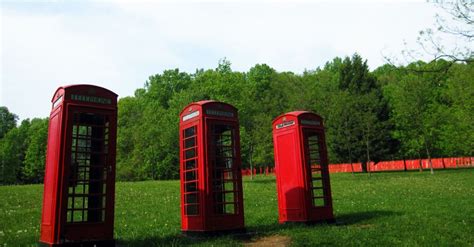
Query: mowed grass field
{"type": "Point", "coordinates": [385, 209]}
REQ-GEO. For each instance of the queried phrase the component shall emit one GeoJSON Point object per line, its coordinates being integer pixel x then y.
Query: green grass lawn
{"type": "Point", "coordinates": [386, 209]}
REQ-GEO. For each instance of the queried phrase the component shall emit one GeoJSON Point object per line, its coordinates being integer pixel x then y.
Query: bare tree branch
{"type": "Point", "coordinates": [452, 38]}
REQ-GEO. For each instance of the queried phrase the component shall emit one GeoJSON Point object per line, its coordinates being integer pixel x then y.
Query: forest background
{"type": "Point", "coordinates": [418, 110]}
{"type": "Point", "coordinates": [422, 110]}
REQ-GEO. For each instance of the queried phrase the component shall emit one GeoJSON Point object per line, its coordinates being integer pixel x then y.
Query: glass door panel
{"type": "Point", "coordinates": [87, 180]}
{"type": "Point", "coordinates": [224, 173]}
{"type": "Point", "coordinates": [190, 170]}
{"type": "Point", "coordinates": [313, 159]}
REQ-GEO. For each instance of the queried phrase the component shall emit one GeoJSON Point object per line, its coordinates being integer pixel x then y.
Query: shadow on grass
{"type": "Point", "coordinates": [171, 240]}
{"type": "Point", "coordinates": [357, 217]}
{"type": "Point", "coordinates": [182, 239]}
{"type": "Point", "coordinates": [255, 231]}
{"type": "Point", "coordinates": [340, 220]}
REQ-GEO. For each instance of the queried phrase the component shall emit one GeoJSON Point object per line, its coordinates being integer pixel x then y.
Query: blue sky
{"type": "Point", "coordinates": [119, 44]}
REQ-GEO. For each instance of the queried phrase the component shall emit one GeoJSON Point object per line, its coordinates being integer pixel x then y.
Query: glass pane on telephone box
{"type": "Point", "coordinates": [191, 193]}
{"type": "Point", "coordinates": [314, 166]}
{"type": "Point", "coordinates": [222, 160]}
{"type": "Point", "coordinates": [88, 168]}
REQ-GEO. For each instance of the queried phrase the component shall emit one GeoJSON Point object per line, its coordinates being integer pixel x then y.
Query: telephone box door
{"type": "Point", "coordinates": [317, 171]}
{"type": "Point", "coordinates": [224, 163]}
{"type": "Point", "coordinates": [190, 176]}
{"type": "Point", "coordinates": [90, 174]}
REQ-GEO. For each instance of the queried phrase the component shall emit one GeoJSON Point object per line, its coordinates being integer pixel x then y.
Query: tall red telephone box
{"type": "Point", "coordinates": [301, 165]}
{"type": "Point", "coordinates": [79, 181]}
{"type": "Point", "coordinates": [211, 181]}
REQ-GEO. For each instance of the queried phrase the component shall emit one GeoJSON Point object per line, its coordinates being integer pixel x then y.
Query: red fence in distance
{"type": "Point", "coordinates": [393, 165]}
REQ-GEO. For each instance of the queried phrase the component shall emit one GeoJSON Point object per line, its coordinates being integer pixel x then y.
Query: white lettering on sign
{"type": "Point", "coordinates": [191, 115]}
{"type": "Point", "coordinates": [58, 100]}
{"type": "Point", "coordinates": [220, 113]}
{"type": "Point", "coordinates": [285, 124]}
{"type": "Point", "coordinates": [91, 99]}
{"type": "Point", "coordinates": [310, 122]}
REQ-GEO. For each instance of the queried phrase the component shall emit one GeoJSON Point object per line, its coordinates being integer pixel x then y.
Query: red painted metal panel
{"type": "Point", "coordinates": [51, 171]}
{"type": "Point", "coordinates": [50, 183]}
{"type": "Point", "coordinates": [289, 179]}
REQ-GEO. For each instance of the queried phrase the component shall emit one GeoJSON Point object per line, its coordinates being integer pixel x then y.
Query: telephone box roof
{"type": "Point", "coordinates": [296, 114]}
{"type": "Point", "coordinates": [82, 85]}
{"type": "Point", "coordinates": [206, 102]}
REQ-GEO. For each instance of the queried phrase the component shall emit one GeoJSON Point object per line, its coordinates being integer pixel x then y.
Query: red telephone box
{"type": "Point", "coordinates": [79, 181]}
{"type": "Point", "coordinates": [301, 164]}
{"type": "Point", "coordinates": [211, 181]}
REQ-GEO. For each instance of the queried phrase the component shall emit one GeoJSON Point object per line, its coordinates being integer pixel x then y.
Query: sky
{"type": "Point", "coordinates": [119, 44]}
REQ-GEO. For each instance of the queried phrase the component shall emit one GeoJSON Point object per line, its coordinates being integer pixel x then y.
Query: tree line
{"type": "Point", "coordinates": [421, 110]}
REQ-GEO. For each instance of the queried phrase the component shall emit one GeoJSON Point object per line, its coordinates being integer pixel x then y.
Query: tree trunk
{"type": "Point", "coordinates": [352, 168]}
{"type": "Point", "coordinates": [348, 146]}
{"type": "Point", "coordinates": [420, 162]}
{"type": "Point", "coordinates": [2, 179]}
{"type": "Point", "coordinates": [350, 157]}
{"type": "Point", "coordinates": [429, 158]}
{"type": "Point", "coordinates": [250, 162]}
{"type": "Point", "coordinates": [404, 164]}
{"type": "Point", "coordinates": [363, 166]}
{"type": "Point", "coordinates": [368, 154]}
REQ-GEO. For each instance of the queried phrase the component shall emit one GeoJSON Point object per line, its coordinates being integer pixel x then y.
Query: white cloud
{"type": "Point", "coordinates": [118, 44]}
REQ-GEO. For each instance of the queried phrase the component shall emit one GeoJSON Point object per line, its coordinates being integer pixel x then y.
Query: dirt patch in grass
{"type": "Point", "coordinates": [364, 226]}
{"type": "Point", "coordinates": [273, 241]}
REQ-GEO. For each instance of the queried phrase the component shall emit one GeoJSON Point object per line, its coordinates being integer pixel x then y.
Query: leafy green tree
{"type": "Point", "coordinates": [393, 112]}
{"type": "Point", "coordinates": [344, 92]}
{"type": "Point", "coordinates": [35, 154]}
{"type": "Point", "coordinates": [129, 116]}
{"type": "Point", "coordinates": [12, 153]}
{"type": "Point", "coordinates": [456, 106]}
{"type": "Point", "coordinates": [161, 87]}
{"type": "Point", "coordinates": [261, 108]}
{"type": "Point", "coordinates": [366, 119]}
{"type": "Point", "coordinates": [147, 129]}
{"type": "Point", "coordinates": [7, 121]}
{"type": "Point", "coordinates": [417, 109]}
{"type": "Point", "coordinates": [343, 126]}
